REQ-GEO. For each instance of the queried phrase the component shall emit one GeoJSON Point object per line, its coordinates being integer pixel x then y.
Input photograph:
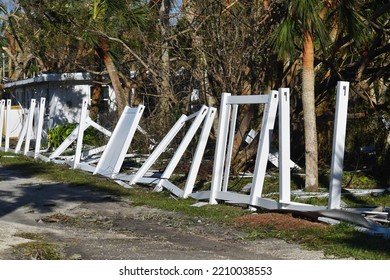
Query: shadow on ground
{"type": "Point", "coordinates": [39, 195]}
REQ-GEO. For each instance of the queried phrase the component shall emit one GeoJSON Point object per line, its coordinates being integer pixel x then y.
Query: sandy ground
{"type": "Point", "coordinates": [85, 224]}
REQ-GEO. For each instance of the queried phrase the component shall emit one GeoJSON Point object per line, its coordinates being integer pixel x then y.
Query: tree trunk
{"type": "Point", "coordinates": [308, 102]}
{"type": "Point", "coordinates": [200, 65]}
{"type": "Point", "coordinates": [103, 52]}
{"type": "Point", "coordinates": [166, 92]}
{"type": "Point", "coordinates": [16, 63]}
{"type": "Point", "coordinates": [245, 116]}
{"type": "Point", "coordinates": [96, 98]}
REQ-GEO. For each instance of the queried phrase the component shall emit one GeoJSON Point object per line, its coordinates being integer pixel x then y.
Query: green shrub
{"type": "Point", "coordinates": [58, 134]}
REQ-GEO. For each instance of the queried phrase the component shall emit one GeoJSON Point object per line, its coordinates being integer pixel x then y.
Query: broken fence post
{"type": "Point", "coordinates": [199, 152]}
{"type": "Point", "coordinates": [41, 115]}
{"type": "Point", "coordinates": [183, 146]}
{"type": "Point", "coordinates": [7, 125]}
{"type": "Point", "coordinates": [114, 154]}
{"type": "Point", "coordinates": [340, 125]}
{"type": "Point", "coordinates": [284, 146]}
{"type": "Point", "coordinates": [29, 131]}
{"type": "Point", "coordinates": [267, 127]}
{"type": "Point", "coordinates": [26, 130]}
{"type": "Point", "coordinates": [80, 134]}
{"type": "Point", "coordinates": [220, 148]}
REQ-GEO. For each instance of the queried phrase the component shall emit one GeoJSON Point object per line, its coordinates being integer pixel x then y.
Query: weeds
{"type": "Point", "coordinates": [37, 249]}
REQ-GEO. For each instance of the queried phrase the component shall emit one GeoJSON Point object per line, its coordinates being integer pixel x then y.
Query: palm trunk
{"type": "Point", "coordinates": [103, 52]}
{"type": "Point", "coordinates": [308, 102]}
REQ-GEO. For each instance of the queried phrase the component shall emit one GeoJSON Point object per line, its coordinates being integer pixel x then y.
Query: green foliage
{"type": "Point", "coordinates": [93, 137]}
{"type": "Point", "coordinates": [300, 17]}
{"type": "Point", "coordinates": [283, 38]}
{"type": "Point", "coordinates": [366, 143]}
{"type": "Point", "coordinates": [354, 26]}
{"type": "Point", "coordinates": [62, 33]}
{"type": "Point", "coordinates": [58, 134]}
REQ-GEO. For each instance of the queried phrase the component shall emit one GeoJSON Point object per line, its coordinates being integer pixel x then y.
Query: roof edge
{"type": "Point", "coordinates": [41, 78]}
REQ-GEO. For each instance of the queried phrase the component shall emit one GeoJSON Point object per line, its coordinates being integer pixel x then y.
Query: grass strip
{"type": "Point", "coordinates": [340, 241]}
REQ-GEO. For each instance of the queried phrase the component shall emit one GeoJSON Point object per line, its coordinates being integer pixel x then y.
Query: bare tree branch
{"type": "Point", "coordinates": [129, 49]}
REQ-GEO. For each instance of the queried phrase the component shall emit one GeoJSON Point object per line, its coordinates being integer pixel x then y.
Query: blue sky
{"type": "Point", "coordinates": [9, 4]}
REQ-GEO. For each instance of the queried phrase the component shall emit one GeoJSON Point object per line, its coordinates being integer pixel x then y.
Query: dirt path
{"type": "Point", "coordinates": [85, 224]}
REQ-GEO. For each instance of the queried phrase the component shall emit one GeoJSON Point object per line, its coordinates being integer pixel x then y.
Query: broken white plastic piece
{"type": "Point", "coordinates": [78, 133]}
{"type": "Point", "coordinates": [113, 156]}
{"type": "Point", "coordinates": [250, 136]}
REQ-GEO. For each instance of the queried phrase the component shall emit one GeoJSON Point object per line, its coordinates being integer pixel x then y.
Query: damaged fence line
{"type": "Point", "coordinates": [108, 160]}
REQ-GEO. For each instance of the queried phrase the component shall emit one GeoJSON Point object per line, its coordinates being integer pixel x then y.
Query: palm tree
{"type": "Point", "coordinates": [300, 26]}
{"type": "Point", "coordinates": [81, 26]}
{"type": "Point", "coordinates": [109, 18]}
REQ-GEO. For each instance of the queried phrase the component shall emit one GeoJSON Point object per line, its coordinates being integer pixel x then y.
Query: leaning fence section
{"type": "Point", "coordinates": [107, 160]}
